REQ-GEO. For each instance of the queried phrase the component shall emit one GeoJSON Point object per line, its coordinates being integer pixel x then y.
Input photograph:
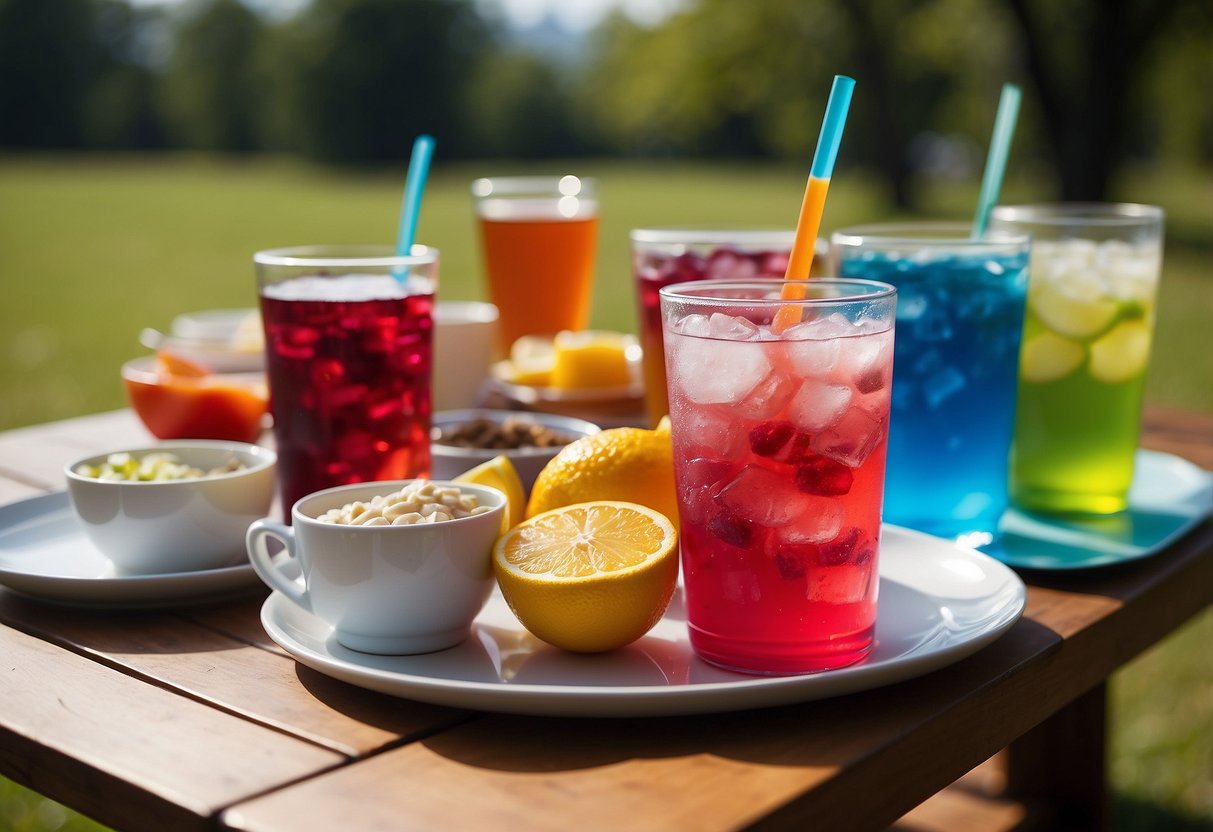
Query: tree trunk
{"type": "Point", "coordinates": [1086, 110]}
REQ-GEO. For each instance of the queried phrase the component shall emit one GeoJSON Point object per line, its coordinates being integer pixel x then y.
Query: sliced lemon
{"type": "Point", "coordinates": [1073, 307]}
{"type": "Point", "coordinates": [501, 474]}
{"type": "Point", "coordinates": [530, 361]}
{"type": "Point", "coordinates": [589, 577]}
{"type": "Point", "coordinates": [1049, 357]}
{"type": "Point", "coordinates": [1122, 354]}
{"type": "Point", "coordinates": [591, 359]}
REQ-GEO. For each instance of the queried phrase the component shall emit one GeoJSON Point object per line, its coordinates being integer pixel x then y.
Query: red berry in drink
{"type": "Point", "coordinates": [767, 438]}
{"type": "Point", "coordinates": [823, 476]}
{"type": "Point", "coordinates": [730, 528]}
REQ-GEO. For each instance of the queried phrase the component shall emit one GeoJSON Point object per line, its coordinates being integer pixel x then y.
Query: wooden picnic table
{"type": "Point", "coordinates": [192, 718]}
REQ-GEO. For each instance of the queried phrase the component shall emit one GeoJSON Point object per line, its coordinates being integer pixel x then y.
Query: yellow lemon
{"type": "Point", "coordinates": [1077, 308]}
{"type": "Point", "coordinates": [1049, 357]}
{"type": "Point", "coordinates": [1121, 355]}
{"type": "Point", "coordinates": [589, 577]}
{"type": "Point", "coordinates": [631, 464]}
{"type": "Point", "coordinates": [591, 359]}
{"type": "Point", "coordinates": [531, 360]}
{"type": "Point", "coordinates": [500, 473]}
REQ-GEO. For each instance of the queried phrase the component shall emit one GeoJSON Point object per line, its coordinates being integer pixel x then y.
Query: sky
{"type": "Point", "coordinates": [577, 15]}
{"type": "Point", "coordinates": [582, 14]}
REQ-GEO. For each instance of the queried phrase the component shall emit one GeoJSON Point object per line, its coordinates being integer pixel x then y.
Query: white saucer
{"type": "Point", "coordinates": [1168, 497]}
{"type": "Point", "coordinates": [939, 602]}
{"type": "Point", "coordinates": [44, 553]}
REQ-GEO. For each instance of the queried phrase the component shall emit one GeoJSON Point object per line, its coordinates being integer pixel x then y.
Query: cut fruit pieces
{"type": "Point", "coordinates": [591, 359]}
{"type": "Point", "coordinates": [1073, 307]}
{"type": "Point", "coordinates": [1121, 355]}
{"type": "Point", "coordinates": [501, 474]}
{"type": "Point", "coordinates": [1048, 357]}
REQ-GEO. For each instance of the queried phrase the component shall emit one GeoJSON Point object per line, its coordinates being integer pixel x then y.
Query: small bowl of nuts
{"type": "Point", "coordinates": [462, 439]}
{"type": "Point", "coordinates": [179, 506]}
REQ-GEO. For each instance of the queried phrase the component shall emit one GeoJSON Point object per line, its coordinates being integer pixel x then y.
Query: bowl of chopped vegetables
{"type": "Point", "coordinates": [179, 506]}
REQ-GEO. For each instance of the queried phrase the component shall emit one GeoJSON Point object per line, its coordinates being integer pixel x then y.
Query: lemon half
{"type": "Point", "coordinates": [589, 577]}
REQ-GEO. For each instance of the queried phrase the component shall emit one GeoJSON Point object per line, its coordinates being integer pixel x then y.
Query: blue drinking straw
{"type": "Point", "coordinates": [414, 184]}
{"type": "Point", "coordinates": [804, 244]}
{"type": "Point", "coordinates": [832, 123]}
{"type": "Point", "coordinates": [996, 159]}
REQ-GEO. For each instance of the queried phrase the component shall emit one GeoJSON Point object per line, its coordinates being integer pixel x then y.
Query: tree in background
{"type": "Point", "coordinates": [47, 67]}
{"type": "Point", "coordinates": [1087, 62]}
{"type": "Point", "coordinates": [210, 93]}
{"type": "Point", "coordinates": [361, 78]}
{"type": "Point", "coordinates": [121, 109]}
{"type": "Point", "coordinates": [516, 105]}
{"type": "Point", "coordinates": [352, 81]}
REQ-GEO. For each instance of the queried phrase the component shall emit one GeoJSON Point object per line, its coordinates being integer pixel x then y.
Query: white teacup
{"type": "Point", "coordinates": [465, 334]}
{"type": "Point", "coordinates": [391, 590]}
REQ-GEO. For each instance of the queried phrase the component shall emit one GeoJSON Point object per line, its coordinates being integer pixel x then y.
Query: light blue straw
{"type": "Point", "coordinates": [996, 160]}
{"type": "Point", "coordinates": [831, 127]}
{"type": "Point", "coordinates": [414, 184]}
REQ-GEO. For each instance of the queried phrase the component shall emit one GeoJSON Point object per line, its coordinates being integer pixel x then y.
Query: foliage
{"type": "Point", "coordinates": [350, 81]}
{"type": "Point", "coordinates": [205, 94]}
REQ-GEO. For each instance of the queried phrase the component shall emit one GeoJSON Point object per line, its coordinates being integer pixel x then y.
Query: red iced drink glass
{"type": "Point", "coordinates": [348, 344]}
{"type": "Point", "coordinates": [665, 256]}
{"type": "Point", "coordinates": [779, 448]}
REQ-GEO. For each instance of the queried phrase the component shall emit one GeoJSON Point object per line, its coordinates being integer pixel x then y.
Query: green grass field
{"type": "Point", "coordinates": [94, 249]}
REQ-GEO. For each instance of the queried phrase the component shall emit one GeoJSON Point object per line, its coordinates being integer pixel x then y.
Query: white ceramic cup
{"type": "Point", "coordinates": [392, 590]}
{"type": "Point", "coordinates": [464, 340]}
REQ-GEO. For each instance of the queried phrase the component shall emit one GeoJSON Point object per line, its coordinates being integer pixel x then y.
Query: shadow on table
{"type": "Point", "coordinates": [1132, 814]}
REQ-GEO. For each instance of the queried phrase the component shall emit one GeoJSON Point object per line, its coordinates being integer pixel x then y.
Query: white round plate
{"type": "Point", "coordinates": [939, 602]}
{"type": "Point", "coordinates": [44, 553]}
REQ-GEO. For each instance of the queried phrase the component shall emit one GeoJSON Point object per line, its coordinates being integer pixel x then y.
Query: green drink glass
{"type": "Point", "coordinates": [1093, 279]}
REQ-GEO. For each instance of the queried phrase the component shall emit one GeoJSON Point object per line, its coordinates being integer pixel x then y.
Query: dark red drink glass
{"type": "Point", "coordinates": [349, 349]}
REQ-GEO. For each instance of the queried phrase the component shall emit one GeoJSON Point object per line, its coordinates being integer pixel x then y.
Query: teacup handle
{"type": "Point", "coordinates": [265, 565]}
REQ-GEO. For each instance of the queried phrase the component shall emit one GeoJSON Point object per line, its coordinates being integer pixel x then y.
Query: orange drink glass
{"type": "Point", "coordinates": [539, 236]}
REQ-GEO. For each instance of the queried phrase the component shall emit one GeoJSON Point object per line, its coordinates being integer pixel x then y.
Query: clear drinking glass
{"type": "Point", "coordinates": [1090, 322]}
{"type": "Point", "coordinates": [779, 447]}
{"type": "Point", "coordinates": [349, 350]}
{"type": "Point", "coordinates": [960, 310]}
{"type": "Point", "coordinates": [664, 256]}
{"type": "Point", "coordinates": [539, 237]}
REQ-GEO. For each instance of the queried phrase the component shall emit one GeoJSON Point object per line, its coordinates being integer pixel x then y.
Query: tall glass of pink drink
{"type": "Point", "coordinates": [779, 448]}
{"type": "Point", "coordinates": [348, 344]}
{"type": "Point", "coordinates": [664, 256]}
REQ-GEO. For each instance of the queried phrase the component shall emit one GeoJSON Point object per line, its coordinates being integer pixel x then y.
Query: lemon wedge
{"type": "Point", "coordinates": [501, 474]}
{"type": "Point", "coordinates": [531, 360]}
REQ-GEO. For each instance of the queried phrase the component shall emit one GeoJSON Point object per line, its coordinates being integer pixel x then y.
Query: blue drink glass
{"type": "Point", "coordinates": [960, 312]}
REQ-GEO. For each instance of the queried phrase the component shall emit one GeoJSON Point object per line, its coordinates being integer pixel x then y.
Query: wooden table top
{"type": "Point", "coordinates": [192, 718]}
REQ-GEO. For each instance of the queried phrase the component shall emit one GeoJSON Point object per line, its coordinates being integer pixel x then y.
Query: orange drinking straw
{"type": "Point", "coordinates": [814, 201]}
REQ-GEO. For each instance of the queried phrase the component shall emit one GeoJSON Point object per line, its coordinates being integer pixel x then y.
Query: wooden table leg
{"type": "Point", "coordinates": [1060, 765]}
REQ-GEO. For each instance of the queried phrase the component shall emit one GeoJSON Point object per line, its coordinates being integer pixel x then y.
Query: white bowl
{"type": "Point", "coordinates": [449, 461]}
{"type": "Point", "coordinates": [176, 525]}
